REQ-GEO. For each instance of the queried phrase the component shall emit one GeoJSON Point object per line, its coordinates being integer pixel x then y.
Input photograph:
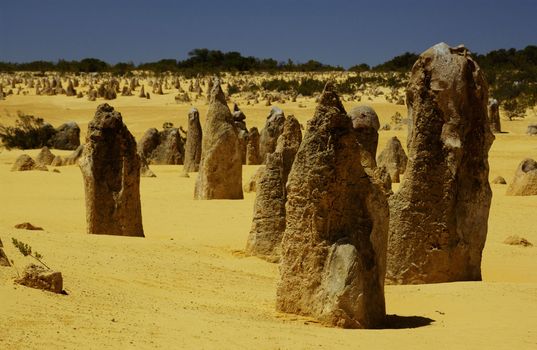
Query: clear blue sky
{"type": "Point", "coordinates": [338, 32]}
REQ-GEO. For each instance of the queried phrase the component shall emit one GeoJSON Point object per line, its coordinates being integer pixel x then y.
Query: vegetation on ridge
{"type": "Point", "coordinates": [511, 73]}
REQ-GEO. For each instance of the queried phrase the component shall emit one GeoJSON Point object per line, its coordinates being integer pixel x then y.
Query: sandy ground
{"type": "Point", "coordinates": [188, 283]}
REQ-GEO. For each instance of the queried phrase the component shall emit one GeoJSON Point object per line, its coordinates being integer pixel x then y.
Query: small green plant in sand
{"type": "Point", "coordinates": [26, 250]}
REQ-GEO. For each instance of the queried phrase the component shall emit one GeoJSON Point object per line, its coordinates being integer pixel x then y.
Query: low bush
{"type": "Point", "coordinates": [29, 132]}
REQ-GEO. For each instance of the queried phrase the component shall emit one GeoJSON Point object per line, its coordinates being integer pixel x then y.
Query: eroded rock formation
{"type": "Point", "coordinates": [111, 171]}
{"type": "Point", "coordinates": [438, 219]}
{"type": "Point", "coordinates": [366, 122]}
{"type": "Point", "coordinates": [162, 147]}
{"type": "Point", "coordinates": [394, 158]}
{"type": "Point", "coordinates": [334, 245]}
{"type": "Point", "coordinates": [220, 170]}
{"type": "Point", "coordinates": [268, 224]}
{"type": "Point", "coordinates": [270, 133]}
{"type": "Point", "coordinates": [524, 182]}
{"type": "Point", "coordinates": [193, 142]}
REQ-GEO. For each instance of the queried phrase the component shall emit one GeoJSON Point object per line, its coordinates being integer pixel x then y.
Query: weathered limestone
{"type": "Point", "coordinates": [252, 148]}
{"type": "Point", "coordinates": [270, 133]}
{"type": "Point", "coordinates": [4, 261]}
{"type": "Point", "coordinates": [438, 219]}
{"type": "Point", "coordinates": [25, 163]}
{"type": "Point", "coordinates": [209, 89]}
{"type": "Point", "coordinates": [157, 89]}
{"type": "Point", "coordinates": [70, 159]}
{"type": "Point", "coordinates": [111, 172]}
{"type": "Point", "coordinates": [67, 137]}
{"type": "Point", "coordinates": [126, 91]}
{"type": "Point", "coordinates": [499, 180]}
{"type": "Point", "coordinates": [239, 118]}
{"type": "Point", "coordinates": [524, 182]}
{"type": "Point", "coordinates": [38, 277]}
{"type": "Point", "coordinates": [162, 147]}
{"type": "Point", "coordinates": [251, 185]}
{"type": "Point", "coordinates": [380, 176]}
{"type": "Point", "coordinates": [182, 98]}
{"type": "Point", "coordinates": [268, 224]}
{"type": "Point", "coordinates": [220, 170]}
{"type": "Point", "coordinates": [519, 241]}
{"type": "Point", "coordinates": [394, 158]}
{"type": "Point", "coordinates": [494, 116]}
{"type": "Point", "coordinates": [334, 246]}
{"type": "Point", "coordinates": [366, 122]}
{"type": "Point", "coordinates": [145, 171]}
{"type": "Point", "coordinates": [28, 226]}
{"type": "Point", "coordinates": [45, 156]}
{"type": "Point", "coordinates": [240, 124]}
{"type": "Point", "coordinates": [70, 91]}
{"type": "Point", "coordinates": [243, 144]}
{"type": "Point", "coordinates": [289, 142]}
{"type": "Point", "coordinates": [193, 142]}
{"type": "Point", "coordinates": [92, 95]}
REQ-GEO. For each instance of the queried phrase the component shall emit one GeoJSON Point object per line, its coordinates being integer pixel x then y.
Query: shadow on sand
{"type": "Point", "coordinates": [402, 322]}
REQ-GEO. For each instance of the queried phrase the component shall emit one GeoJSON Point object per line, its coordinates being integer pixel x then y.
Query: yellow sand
{"type": "Point", "coordinates": [188, 284]}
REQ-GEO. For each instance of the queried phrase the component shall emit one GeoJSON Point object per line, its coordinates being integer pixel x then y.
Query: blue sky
{"type": "Point", "coordinates": [338, 32]}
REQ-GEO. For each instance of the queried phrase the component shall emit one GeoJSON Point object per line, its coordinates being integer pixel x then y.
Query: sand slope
{"type": "Point", "coordinates": [188, 284]}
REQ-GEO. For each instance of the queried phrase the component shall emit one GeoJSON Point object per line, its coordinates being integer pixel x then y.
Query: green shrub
{"type": "Point", "coordinates": [233, 89]}
{"type": "Point", "coordinates": [310, 86]}
{"type": "Point", "coordinates": [280, 85]}
{"type": "Point", "coordinates": [306, 87]}
{"type": "Point", "coordinates": [28, 132]}
{"type": "Point", "coordinates": [26, 250]}
{"type": "Point", "coordinates": [363, 67]}
{"type": "Point", "coordinates": [514, 109]}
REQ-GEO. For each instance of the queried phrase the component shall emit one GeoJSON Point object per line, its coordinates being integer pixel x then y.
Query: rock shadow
{"type": "Point", "coordinates": [405, 322]}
